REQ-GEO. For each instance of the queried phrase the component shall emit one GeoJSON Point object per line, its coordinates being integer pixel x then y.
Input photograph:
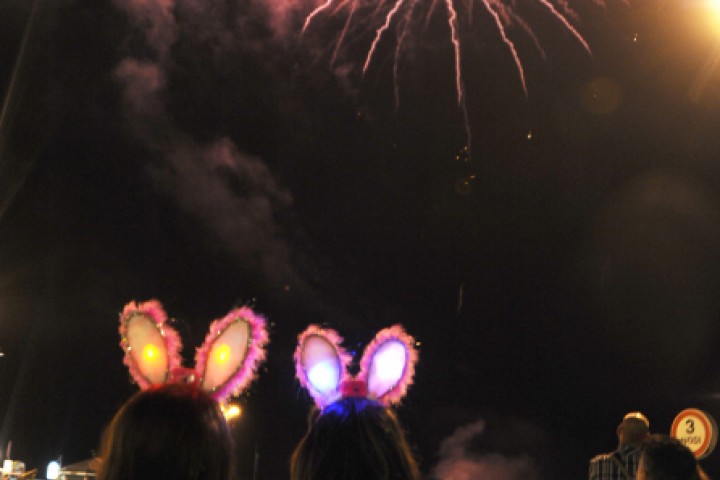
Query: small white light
{"type": "Point", "coordinates": [7, 467]}
{"type": "Point", "coordinates": [323, 376]}
{"type": "Point", "coordinates": [53, 470]}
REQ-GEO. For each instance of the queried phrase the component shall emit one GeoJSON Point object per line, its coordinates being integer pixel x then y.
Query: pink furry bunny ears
{"type": "Point", "coordinates": [224, 365]}
{"type": "Point", "coordinates": [386, 369]}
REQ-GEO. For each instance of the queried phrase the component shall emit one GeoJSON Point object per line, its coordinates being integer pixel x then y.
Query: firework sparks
{"type": "Point", "coordinates": [503, 13]}
{"type": "Point", "coordinates": [491, 8]}
{"type": "Point", "coordinates": [315, 13]}
{"type": "Point", "coordinates": [399, 14]}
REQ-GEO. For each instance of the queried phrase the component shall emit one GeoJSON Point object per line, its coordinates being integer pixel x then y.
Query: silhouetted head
{"type": "Point", "coordinates": [354, 439]}
{"type": "Point", "coordinates": [665, 458]}
{"type": "Point", "coordinates": [634, 428]}
{"type": "Point", "coordinates": [173, 431]}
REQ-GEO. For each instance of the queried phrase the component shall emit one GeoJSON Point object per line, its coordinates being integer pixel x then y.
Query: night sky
{"type": "Point", "coordinates": [561, 271]}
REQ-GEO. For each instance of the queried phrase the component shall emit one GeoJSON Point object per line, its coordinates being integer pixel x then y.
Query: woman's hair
{"type": "Point", "coordinates": [173, 431]}
{"type": "Point", "coordinates": [665, 458]}
{"type": "Point", "coordinates": [354, 439]}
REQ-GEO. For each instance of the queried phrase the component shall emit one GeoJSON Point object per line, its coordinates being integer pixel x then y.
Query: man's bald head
{"type": "Point", "coordinates": [634, 428]}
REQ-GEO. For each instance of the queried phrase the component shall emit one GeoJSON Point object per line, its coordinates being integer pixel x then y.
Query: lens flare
{"type": "Point", "coordinates": [713, 10]}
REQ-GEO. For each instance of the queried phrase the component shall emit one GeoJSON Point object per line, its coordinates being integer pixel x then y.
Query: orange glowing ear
{"type": "Point", "coordinates": [151, 347]}
{"type": "Point", "coordinates": [233, 348]}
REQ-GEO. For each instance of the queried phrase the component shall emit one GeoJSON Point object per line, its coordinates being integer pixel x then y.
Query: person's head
{"type": "Point", "coordinates": [665, 458]}
{"type": "Point", "coordinates": [174, 431]}
{"type": "Point", "coordinates": [633, 429]}
{"type": "Point", "coordinates": [354, 439]}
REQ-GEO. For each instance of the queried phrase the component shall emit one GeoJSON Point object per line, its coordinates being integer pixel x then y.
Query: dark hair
{"type": "Point", "coordinates": [633, 431]}
{"type": "Point", "coordinates": [354, 439]}
{"type": "Point", "coordinates": [168, 432]}
{"type": "Point", "coordinates": [665, 458]}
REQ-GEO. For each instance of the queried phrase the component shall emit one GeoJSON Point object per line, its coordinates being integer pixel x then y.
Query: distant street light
{"type": "Point", "coordinates": [231, 411]}
{"type": "Point", "coordinates": [53, 470]}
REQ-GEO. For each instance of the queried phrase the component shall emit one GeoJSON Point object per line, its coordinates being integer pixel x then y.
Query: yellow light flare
{"type": "Point", "coordinates": [222, 353]}
{"type": "Point", "coordinates": [150, 352]}
{"type": "Point", "coordinates": [231, 411]}
{"type": "Point", "coordinates": [713, 8]}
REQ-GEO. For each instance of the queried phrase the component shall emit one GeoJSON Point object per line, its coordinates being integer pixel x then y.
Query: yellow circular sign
{"type": "Point", "coordinates": [696, 430]}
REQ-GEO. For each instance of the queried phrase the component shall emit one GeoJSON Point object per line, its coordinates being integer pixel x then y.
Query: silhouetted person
{"type": "Point", "coordinates": [622, 464]}
{"type": "Point", "coordinates": [354, 439]}
{"type": "Point", "coordinates": [168, 432]}
{"type": "Point", "coordinates": [665, 458]}
{"type": "Point", "coordinates": [353, 432]}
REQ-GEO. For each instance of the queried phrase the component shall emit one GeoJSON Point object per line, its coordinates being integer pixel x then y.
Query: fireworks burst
{"type": "Point", "coordinates": [401, 16]}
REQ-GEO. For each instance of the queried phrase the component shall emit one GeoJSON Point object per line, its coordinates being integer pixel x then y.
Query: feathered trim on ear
{"type": "Point", "coordinates": [399, 374]}
{"type": "Point", "coordinates": [154, 310]}
{"type": "Point", "coordinates": [255, 354]}
{"type": "Point", "coordinates": [340, 356]}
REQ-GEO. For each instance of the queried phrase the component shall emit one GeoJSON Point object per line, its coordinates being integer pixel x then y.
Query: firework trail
{"type": "Point", "coordinates": [400, 13]}
{"type": "Point", "coordinates": [9, 110]}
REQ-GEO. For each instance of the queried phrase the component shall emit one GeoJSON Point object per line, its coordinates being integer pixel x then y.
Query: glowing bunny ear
{"type": "Point", "coordinates": [233, 349]}
{"type": "Point", "coordinates": [320, 363]}
{"type": "Point", "coordinates": [152, 349]}
{"type": "Point", "coordinates": [388, 364]}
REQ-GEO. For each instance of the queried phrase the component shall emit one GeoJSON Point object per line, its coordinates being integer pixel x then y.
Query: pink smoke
{"type": "Point", "coordinates": [156, 19]}
{"type": "Point", "coordinates": [458, 462]}
{"type": "Point", "coordinates": [231, 194]}
{"type": "Point", "coordinates": [144, 82]}
{"type": "Point", "coordinates": [200, 178]}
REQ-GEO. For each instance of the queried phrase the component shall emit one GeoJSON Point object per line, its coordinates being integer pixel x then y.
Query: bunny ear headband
{"type": "Point", "coordinates": [224, 365]}
{"type": "Point", "coordinates": [386, 369]}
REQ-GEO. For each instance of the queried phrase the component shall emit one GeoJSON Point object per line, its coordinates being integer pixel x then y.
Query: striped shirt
{"type": "Point", "coordinates": [605, 467]}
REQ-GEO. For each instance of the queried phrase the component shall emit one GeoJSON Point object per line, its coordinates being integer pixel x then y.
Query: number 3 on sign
{"type": "Point", "coordinates": [696, 430]}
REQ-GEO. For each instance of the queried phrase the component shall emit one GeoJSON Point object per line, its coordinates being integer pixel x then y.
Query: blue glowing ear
{"type": "Point", "coordinates": [388, 364]}
{"type": "Point", "coordinates": [320, 364]}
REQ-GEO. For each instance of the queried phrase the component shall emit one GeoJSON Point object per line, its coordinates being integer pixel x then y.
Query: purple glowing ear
{"type": "Point", "coordinates": [388, 364]}
{"type": "Point", "coordinates": [234, 347]}
{"type": "Point", "coordinates": [320, 363]}
{"type": "Point", "coordinates": [152, 349]}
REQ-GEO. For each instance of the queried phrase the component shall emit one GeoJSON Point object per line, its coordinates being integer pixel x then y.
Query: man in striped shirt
{"type": "Point", "coordinates": [622, 464]}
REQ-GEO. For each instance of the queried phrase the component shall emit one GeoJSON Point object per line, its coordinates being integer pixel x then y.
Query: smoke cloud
{"type": "Point", "coordinates": [473, 452]}
{"type": "Point", "coordinates": [155, 19]}
{"type": "Point", "coordinates": [231, 194]}
{"type": "Point", "coordinates": [143, 82]}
